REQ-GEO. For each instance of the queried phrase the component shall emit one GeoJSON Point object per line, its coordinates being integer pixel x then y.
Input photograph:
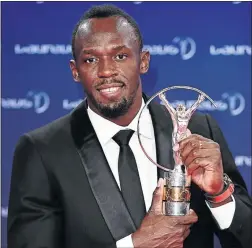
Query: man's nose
{"type": "Point", "coordinates": [106, 69]}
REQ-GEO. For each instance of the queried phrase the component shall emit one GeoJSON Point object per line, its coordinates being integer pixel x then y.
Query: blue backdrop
{"type": "Point", "coordinates": [204, 45]}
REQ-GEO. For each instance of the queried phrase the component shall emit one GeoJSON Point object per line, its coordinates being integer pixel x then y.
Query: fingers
{"type": "Point", "coordinates": [194, 141]}
{"type": "Point", "coordinates": [200, 153]}
{"type": "Point", "coordinates": [189, 218]}
{"type": "Point", "coordinates": [197, 163]}
{"type": "Point", "coordinates": [206, 163]}
{"type": "Point", "coordinates": [192, 138]}
{"type": "Point", "coordinates": [186, 233]}
{"type": "Point", "coordinates": [196, 154]}
{"type": "Point", "coordinates": [157, 200]}
{"type": "Point", "coordinates": [198, 149]}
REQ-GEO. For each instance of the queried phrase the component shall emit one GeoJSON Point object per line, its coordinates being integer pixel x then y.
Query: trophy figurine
{"type": "Point", "coordinates": [176, 200]}
{"type": "Point", "coordinates": [176, 197]}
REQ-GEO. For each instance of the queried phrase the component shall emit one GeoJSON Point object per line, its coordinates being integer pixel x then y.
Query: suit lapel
{"type": "Point", "coordinates": [101, 179]}
{"type": "Point", "coordinates": [163, 126]}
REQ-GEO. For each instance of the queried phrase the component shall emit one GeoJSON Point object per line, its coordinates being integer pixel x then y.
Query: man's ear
{"type": "Point", "coordinates": [145, 62]}
{"type": "Point", "coordinates": [74, 70]}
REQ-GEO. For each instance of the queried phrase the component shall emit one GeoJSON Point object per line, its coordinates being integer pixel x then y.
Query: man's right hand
{"type": "Point", "coordinates": [158, 230]}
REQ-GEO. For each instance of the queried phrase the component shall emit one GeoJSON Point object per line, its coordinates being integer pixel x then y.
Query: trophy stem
{"type": "Point", "coordinates": [176, 199]}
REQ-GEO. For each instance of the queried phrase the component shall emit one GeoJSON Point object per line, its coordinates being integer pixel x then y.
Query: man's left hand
{"type": "Point", "coordinates": [202, 158]}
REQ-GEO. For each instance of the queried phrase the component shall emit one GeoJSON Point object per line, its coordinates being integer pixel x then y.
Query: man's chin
{"type": "Point", "coordinates": [114, 110]}
{"type": "Point", "coordinates": [111, 108]}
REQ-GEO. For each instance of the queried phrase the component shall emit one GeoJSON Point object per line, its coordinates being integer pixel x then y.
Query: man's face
{"type": "Point", "coordinates": [109, 63]}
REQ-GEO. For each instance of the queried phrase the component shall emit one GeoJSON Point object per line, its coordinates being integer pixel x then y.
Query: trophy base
{"type": "Point", "coordinates": [176, 194]}
{"type": "Point", "coordinates": [176, 208]}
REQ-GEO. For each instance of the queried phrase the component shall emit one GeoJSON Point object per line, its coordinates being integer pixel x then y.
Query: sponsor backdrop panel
{"type": "Point", "coordinates": [204, 45]}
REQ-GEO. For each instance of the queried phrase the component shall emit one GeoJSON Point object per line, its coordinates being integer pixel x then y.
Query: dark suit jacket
{"type": "Point", "coordinates": [63, 194]}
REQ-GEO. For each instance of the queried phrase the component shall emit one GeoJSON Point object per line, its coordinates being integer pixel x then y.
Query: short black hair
{"type": "Point", "coordinates": [103, 11]}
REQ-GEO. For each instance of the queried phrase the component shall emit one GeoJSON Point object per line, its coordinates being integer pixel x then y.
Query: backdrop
{"type": "Point", "coordinates": [204, 45]}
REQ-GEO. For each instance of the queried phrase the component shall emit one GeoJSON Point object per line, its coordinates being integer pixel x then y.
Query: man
{"type": "Point", "coordinates": [83, 181]}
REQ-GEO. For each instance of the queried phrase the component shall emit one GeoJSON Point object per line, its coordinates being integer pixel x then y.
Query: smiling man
{"type": "Point", "coordinates": [108, 62]}
{"type": "Point", "coordinates": [83, 180]}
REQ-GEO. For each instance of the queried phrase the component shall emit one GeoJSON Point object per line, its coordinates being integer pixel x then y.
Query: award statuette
{"type": "Point", "coordinates": [176, 198]}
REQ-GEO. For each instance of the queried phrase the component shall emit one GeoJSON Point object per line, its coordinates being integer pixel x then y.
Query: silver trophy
{"type": "Point", "coordinates": [176, 198]}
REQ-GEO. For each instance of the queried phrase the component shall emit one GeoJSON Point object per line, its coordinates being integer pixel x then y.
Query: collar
{"type": "Point", "coordinates": [106, 129]}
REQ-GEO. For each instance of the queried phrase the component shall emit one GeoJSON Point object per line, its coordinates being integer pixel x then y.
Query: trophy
{"type": "Point", "coordinates": [176, 197]}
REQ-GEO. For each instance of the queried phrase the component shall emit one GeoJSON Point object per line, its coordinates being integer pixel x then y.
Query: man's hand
{"type": "Point", "coordinates": [158, 230]}
{"type": "Point", "coordinates": [202, 157]}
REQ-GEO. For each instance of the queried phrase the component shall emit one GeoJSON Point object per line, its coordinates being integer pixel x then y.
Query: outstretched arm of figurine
{"type": "Point", "coordinates": [171, 110]}
{"type": "Point", "coordinates": [192, 109]}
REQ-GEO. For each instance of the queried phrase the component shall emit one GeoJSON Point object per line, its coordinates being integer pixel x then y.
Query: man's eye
{"type": "Point", "coordinates": [121, 56]}
{"type": "Point", "coordinates": [90, 60]}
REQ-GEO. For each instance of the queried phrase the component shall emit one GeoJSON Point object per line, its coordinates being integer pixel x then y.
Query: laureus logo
{"type": "Point", "coordinates": [39, 101]}
{"type": "Point", "coordinates": [236, 102]}
{"type": "Point", "coordinates": [228, 50]}
{"type": "Point", "coordinates": [31, 49]}
{"type": "Point", "coordinates": [242, 160]}
{"type": "Point", "coordinates": [183, 47]}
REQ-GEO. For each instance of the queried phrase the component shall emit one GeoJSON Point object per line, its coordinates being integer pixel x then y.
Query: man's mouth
{"type": "Point", "coordinates": [110, 90]}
